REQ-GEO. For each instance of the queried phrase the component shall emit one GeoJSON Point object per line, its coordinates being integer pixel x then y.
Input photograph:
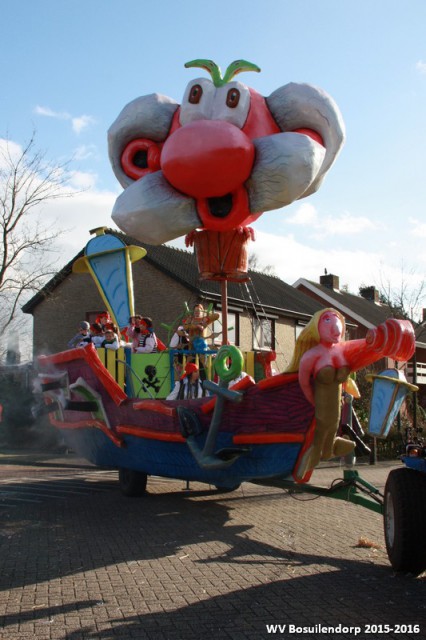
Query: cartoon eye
{"type": "Point", "coordinates": [195, 94]}
{"type": "Point", "coordinates": [140, 156]}
{"type": "Point", "coordinates": [232, 98]}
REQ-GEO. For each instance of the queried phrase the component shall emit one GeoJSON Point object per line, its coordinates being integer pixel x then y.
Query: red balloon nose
{"type": "Point", "coordinates": [207, 158]}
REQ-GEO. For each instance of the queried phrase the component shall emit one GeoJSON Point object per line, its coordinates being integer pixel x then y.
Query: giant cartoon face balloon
{"type": "Point", "coordinates": [222, 157]}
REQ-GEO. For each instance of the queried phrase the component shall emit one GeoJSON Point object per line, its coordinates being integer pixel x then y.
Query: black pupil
{"type": "Point", "coordinates": [140, 159]}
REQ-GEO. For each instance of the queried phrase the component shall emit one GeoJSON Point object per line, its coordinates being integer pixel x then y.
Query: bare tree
{"type": "Point", "coordinates": [254, 265]}
{"type": "Point", "coordinates": [27, 181]}
{"type": "Point", "coordinates": [404, 296]}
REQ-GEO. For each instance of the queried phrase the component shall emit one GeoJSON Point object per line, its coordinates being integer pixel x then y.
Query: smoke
{"type": "Point", "coordinates": [23, 426]}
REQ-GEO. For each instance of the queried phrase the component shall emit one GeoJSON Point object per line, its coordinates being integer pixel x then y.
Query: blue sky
{"type": "Point", "coordinates": [68, 68]}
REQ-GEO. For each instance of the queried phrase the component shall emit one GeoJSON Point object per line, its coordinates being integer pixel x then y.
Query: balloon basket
{"type": "Point", "coordinates": [222, 255]}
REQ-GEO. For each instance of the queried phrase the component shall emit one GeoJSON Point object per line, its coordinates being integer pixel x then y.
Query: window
{"type": "Point", "coordinates": [263, 333]}
{"type": "Point", "coordinates": [298, 328]}
{"type": "Point", "coordinates": [233, 333]}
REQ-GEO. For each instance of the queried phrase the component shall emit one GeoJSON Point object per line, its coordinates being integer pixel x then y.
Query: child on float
{"type": "Point", "coordinates": [82, 338]}
{"type": "Point", "coordinates": [104, 319]}
{"type": "Point", "coordinates": [133, 331]}
{"type": "Point", "coordinates": [97, 334]}
{"type": "Point", "coordinates": [147, 342]}
{"type": "Point", "coordinates": [189, 386]}
{"type": "Point", "coordinates": [180, 341]}
{"type": "Point", "coordinates": [111, 340]}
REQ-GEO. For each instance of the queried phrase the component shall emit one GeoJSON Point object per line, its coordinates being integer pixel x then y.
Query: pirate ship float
{"type": "Point", "coordinates": [206, 169]}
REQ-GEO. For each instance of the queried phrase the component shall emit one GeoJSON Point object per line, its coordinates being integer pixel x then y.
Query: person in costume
{"type": "Point", "coordinates": [105, 320]}
{"type": "Point", "coordinates": [189, 386]}
{"type": "Point", "coordinates": [82, 338]}
{"type": "Point", "coordinates": [147, 342]}
{"type": "Point", "coordinates": [180, 339]}
{"type": "Point", "coordinates": [133, 331]}
{"type": "Point", "coordinates": [97, 334]}
{"type": "Point", "coordinates": [111, 340]}
{"type": "Point", "coordinates": [197, 323]}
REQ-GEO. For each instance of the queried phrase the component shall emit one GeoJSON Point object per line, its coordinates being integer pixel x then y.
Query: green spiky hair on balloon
{"type": "Point", "coordinates": [238, 66]}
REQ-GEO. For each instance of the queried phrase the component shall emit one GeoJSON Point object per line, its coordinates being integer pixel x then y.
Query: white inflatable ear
{"type": "Point", "coordinates": [147, 117]}
{"type": "Point", "coordinates": [152, 211]}
{"type": "Point", "coordinates": [287, 165]}
{"type": "Point", "coordinates": [295, 106]}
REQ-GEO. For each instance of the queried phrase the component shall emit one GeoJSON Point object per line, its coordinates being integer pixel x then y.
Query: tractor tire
{"type": "Point", "coordinates": [405, 520]}
{"type": "Point", "coordinates": [132, 483]}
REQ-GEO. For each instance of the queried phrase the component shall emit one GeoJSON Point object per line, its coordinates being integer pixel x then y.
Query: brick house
{"type": "Point", "coordinates": [262, 314]}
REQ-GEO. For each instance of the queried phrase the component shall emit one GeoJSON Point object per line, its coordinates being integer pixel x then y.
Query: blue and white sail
{"type": "Point", "coordinates": [109, 261]}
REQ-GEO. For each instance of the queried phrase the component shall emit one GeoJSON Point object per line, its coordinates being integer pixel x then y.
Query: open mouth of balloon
{"type": "Point", "coordinates": [220, 207]}
{"type": "Point", "coordinates": [225, 212]}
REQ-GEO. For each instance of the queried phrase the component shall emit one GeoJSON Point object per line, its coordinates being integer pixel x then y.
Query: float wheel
{"type": "Point", "coordinates": [220, 489]}
{"type": "Point", "coordinates": [132, 483]}
{"type": "Point", "coordinates": [405, 520]}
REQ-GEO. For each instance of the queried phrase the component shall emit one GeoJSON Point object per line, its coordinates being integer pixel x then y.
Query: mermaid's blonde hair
{"type": "Point", "coordinates": [310, 337]}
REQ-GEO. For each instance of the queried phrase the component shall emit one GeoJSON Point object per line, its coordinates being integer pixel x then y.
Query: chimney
{"type": "Point", "coordinates": [424, 315]}
{"type": "Point", "coordinates": [330, 281]}
{"type": "Point", "coordinates": [369, 293]}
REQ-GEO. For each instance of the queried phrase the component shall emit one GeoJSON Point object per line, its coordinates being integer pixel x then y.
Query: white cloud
{"type": "Point", "coordinates": [78, 123]}
{"type": "Point", "coordinates": [305, 215]}
{"type": "Point", "coordinates": [78, 214]}
{"type": "Point", "coordinates": [11, 149]}
{"type": "Point", "coordinates": [421, 66]}
{"type": "Point", "coordinates": [84, 152]}
{"type": "Point", "coordinates": [418, 228]}
{"type": "Point", "coordinates": [293, 260]}
{"type": "Point", "coordinates": [49, 113]}
{"type": "Point", "coordinates": [80, 180]}
{"type": "Point", "coordinates": [326, 226]}
{"type": "Point", "coordinates": [82, 122]}
{"type": "Point", "coordinates": [343, 225]}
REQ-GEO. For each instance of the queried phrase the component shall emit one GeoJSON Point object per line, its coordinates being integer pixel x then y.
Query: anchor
{"type": "Point", "coordinates": [208, 458]}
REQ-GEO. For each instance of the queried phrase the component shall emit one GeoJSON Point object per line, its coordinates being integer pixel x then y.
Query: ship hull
{"type": "Point", "coordinates": [261, 435]}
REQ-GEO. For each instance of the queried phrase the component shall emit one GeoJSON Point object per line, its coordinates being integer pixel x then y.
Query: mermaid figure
{"type": "Point", "coordinates": [324, 362]}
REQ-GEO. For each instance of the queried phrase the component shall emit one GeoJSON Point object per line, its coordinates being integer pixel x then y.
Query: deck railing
{"type": "Point", "coordinates": [153, 375]}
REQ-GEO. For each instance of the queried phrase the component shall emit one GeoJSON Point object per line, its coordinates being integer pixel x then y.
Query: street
{"type": "Point", "coordinates": [81, 562]}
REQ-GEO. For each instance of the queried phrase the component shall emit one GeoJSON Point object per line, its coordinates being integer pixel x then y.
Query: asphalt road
{"type": "Point", "coordinates": [78, 561]}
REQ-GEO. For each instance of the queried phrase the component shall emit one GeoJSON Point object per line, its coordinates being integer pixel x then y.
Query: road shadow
{"type": "Point", "coordinates": [298, 601]}
{"type": "Point", "coordinates": [62, 538]}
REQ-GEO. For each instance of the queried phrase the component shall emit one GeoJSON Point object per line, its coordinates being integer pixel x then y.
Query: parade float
{"type": "Point", "coordinates": [207, 169]}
